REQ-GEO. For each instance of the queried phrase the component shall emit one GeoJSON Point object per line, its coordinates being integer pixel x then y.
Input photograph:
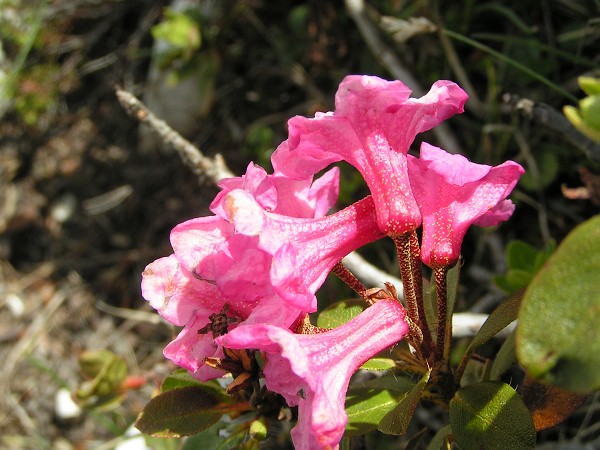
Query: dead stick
{"type": "Point", "coordinates": [203, 167]}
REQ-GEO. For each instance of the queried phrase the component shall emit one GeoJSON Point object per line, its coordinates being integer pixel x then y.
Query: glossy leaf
{"type": "Point", "coordinates": [207, 439]}
{"type": "Point", "coordinates": [523, 261]}
{"type": "Point", "coordinates": [377, 364]}
{"type": "Point", "coordinates": [500, 318]}
{"type": "Point", "coordinates": [179, 379]}
{"type": "Point", "coordinates": [549, 405]}
{"type": "Point", "coordinates": [339, 313]}
{"type": "Point", "coordinates": [391, 381]}
{"type": "Point", "coordinates": [504, 358]}
{"type": "Point", "coordinates": [491, 414]}
{"type": "Point", "coordinates": [557, 337]}
{"type": "Point", "coordinates": [452, 281]}
{"type": "Point", "coordinates": [396, 422]}
{"type": "Point", "coordinates": [365, 407]}
{"type": "Point", "coordinates": [180, 412]}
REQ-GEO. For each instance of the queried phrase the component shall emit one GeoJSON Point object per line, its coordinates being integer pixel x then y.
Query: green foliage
{"type": "Point", "coordinates": [396, 422]}
{"type": "Point", "coordinates": [504, 358]}
{"type": "Point", "coordinates": [546, 169]}
{"type": "Point", "coordinates": [179, 379]}
{"type": "Point", "coordinates": [586, 118]}
{"type": "Point", "coordinates": [557, 338]}
{"type": "Point", "coordinates": [499, 319]}
{"type": "Point", "coordinates": [182, 35]}
{"type": "Point", "coordinates": [208, 438]}
{"type": "Point", "coordinates": [523, 261]}
{"type": "Point", "coordinates": [366, 407]}
{"type": "Point", "coordinates": [181, 412]}
{"type": "Point", "coordinates": [491, 414]}
{"type": "Point", "coordinates": [378, 364]}
{"type": "Point", "coordinates": [107, 372]}
{"type": "Point", "coordinates": [340, 312]}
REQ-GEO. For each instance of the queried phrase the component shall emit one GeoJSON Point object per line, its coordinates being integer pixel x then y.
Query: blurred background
{"type": "Point", "coordinates": [88, 195]}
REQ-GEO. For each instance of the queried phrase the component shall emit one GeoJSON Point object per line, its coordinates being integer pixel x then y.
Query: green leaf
{"type": "Point", "coordinates": [491, 414]}
{"type": "Point", "coordinates": [178, 29]}
{"type": "Point", "coordinates": [547, 169]}
{"type": "Point", "coordinates": [208, 439]}
{"type": "Point", "coordinates": [557, 337]}
{"type": "Point", "coordinates": [504, 358]}
{"type": "Point", "coordinates": [520, 255]}
{"type": "Point", "coordinates": [180, 412]}
{"type": "Point", "coordinates": [590, 111]}
{"type": "Point", "coordinates": [523, 262]}
{"type": "Point", "coordinates": [376, 364]}
{"type": "Point", "coordinates": [500, 318]}
{"type": "Point", "coordinates": [109, 371]}
{"type": "Point", "coordinates": [589, 85]}
{"type": "Point", "coordinates": [390, 381]}
{"type": "Point", "coordinates": [396, 422]}
{"type": "Point", "coordinates": [366, 406]}
{"type": "Point", "coordinates": [574, 116]}
{"type": "Point", "coordinates": [339, 313]}
{"type": "Point", "coordinates": [452, 282]}
{"type": "Point", "coordinates": [179, 379]}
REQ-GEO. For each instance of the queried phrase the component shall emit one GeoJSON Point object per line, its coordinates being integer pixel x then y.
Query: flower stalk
{"type": "Point", "coordinates": [443, 333]}
{"type": "Point", "coordinates": [407, 246]}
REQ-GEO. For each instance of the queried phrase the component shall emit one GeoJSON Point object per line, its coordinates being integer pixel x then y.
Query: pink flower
{"type": "Point", "coordinates": [213, 272]}
{"type": "Point", "coordinates": [313, 371]}
{"type": "Point", "coordinates": [454, 193]}
{"type": "Point", "coordinates": [280, 194]}
{"type": "Point", "coordinates": [303, 250]}
{"type": "Point", "coordinates": [372, 128]}
{"type": "Point", "coordinates": [249, 265]}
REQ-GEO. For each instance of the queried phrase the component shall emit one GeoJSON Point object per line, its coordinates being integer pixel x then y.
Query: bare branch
{"type": "Point", "coordinates": [203, 167]}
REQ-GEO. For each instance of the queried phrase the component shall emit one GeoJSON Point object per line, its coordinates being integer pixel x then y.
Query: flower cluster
{"type": "Point", "coordinates": [246, 277]}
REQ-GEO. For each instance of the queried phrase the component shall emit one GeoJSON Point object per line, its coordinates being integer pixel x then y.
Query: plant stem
{"type": "Point", "coordinates": [441, 291]}
{"type": "Point", "coordinates": [409, 252]}
{"type": "Point", "coordinates": [348, 277]}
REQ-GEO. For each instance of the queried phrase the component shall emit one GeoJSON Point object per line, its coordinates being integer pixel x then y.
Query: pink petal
{"type": "Point", "coordinates": [452, 194]}
{"type": "Point", "coordinates": [189, 349]}
{"type": "Point", "coordinates": [313, 371]}
{"type": "Point", "coordinates": [174, 293]}
{"type": "Point", "coordinates": [499, 213]}
{"type": "Point", "coordinates": [372, 128]}
{"type": "Point", "coordinates": [304, 250]}
{"type": "Point", "coordinates": [196, 240]}
{"type": "Point", "coordinates": [280, 194]}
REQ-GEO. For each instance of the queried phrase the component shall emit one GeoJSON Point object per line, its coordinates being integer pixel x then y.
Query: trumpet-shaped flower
{"type": "Point", "coordinates": [372, 128]}
{"type": "Point", "coordinates": [303, 250]}
{"type": "Point", "coordinates": [313, 371]}
{"type": "Point", "coordinates": [249, 265]}
{"type": "Point", "coordinates": [454, 193]}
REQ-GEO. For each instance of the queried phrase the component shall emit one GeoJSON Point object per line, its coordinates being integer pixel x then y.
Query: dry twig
{"type": "Point", "coordinates": [203, 167]}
